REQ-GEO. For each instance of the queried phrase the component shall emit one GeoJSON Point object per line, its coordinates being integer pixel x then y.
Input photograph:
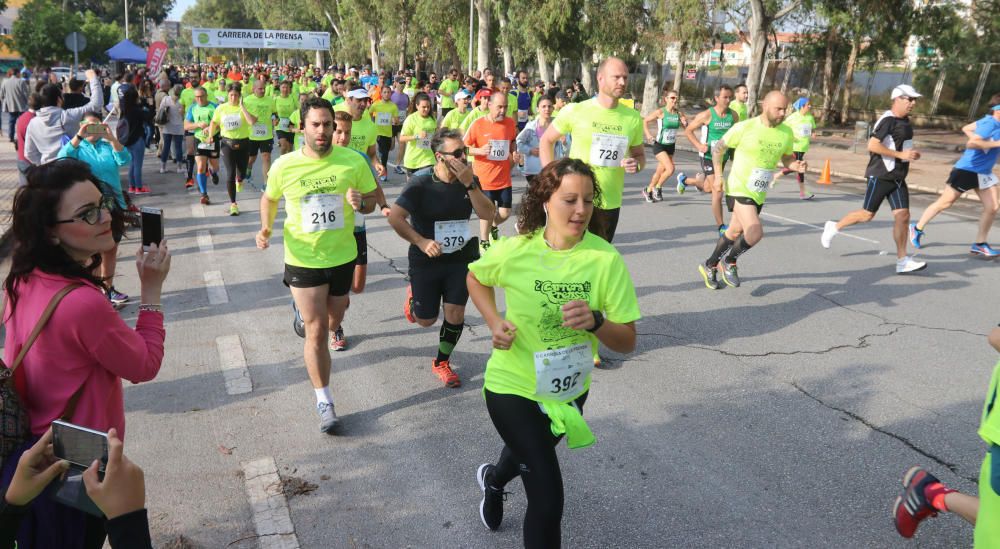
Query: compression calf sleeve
{"type": "Point", "coordinates": [202, 183]}
{"type": "Point", "coordinates": [739, 249]}
{"type": "Point", "coordinates": [448, 339]}
{"type": "Point", "coordinates": [721, 247]}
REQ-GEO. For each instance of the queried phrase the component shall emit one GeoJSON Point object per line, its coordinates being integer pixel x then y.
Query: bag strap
{"type": "Point", "coordinates": [42, 321]}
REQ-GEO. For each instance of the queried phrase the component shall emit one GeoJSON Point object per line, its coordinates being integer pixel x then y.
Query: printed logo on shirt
{"type": "Point", "coordinates": [557, 294]}
{"type": "Point", "coordinates": [328, 183]}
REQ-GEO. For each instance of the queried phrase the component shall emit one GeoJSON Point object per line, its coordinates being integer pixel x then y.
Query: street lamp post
{"type": "Point", "coordinates": [126, 19]}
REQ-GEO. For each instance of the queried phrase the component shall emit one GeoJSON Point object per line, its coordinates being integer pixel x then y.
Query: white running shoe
{"type": "Point", "coordinates": [909, 265]}
{"type": "Point", "coordinates": [829, 231]}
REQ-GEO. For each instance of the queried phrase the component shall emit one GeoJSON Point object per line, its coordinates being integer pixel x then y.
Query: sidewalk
{"type": "Point", "coordinates": [8, 182]}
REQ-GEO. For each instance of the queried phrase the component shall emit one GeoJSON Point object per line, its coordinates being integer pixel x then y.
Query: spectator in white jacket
{"type": "Point", "coordinates": [530, 137]}
{"type": "Point", "coordinates": [53, 125]}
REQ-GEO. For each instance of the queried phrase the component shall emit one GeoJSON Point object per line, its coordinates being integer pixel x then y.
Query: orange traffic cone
{"type": "Point", "coordinates": [824, 178]}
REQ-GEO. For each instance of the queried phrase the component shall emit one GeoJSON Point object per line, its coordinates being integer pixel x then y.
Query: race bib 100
{"type": "Point", "coordinates": [499, 149]}
{"type": "Point", "coordinates": [607, 150]}
{"type": "Point", "coordinates": [322, 212]}
{"type": "Point", "coordinates": [452, 236]}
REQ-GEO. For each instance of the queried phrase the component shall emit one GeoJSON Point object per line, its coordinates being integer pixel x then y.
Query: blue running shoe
{"type": "Point", "coordinates": [984, 250]}
{"type": "Point", "coordinates": [722, 229]}
{"type": "Point", "coordinates": [915, 235]}
{"type": "Point", "coordinates": [681, 186]}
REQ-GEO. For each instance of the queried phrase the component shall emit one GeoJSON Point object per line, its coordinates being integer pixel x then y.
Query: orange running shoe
{"type": "Point", "coordinates": [189, 183]}
{"type": "Point", "coordinates": [444, 372]}
{"type": "Point", "coordinates": [408, 305]}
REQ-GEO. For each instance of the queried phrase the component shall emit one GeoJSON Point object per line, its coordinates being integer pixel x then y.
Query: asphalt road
{"type": "Point", "coordinates": [781, 413]}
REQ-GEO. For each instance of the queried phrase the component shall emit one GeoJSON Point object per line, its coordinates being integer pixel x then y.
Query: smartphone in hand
{"type": "Point", "coordinates": [79, 445]}
{"type": "Point", "coordinates": [152, 226]}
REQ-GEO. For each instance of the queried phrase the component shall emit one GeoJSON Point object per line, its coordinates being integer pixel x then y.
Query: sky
{"type": "Point", "coordinates": [180, 6]}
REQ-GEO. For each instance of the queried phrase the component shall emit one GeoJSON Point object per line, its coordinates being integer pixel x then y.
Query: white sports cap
{"type": "Point", "coordinates": [359, 93]}
{"type": "Point", "coordinates": [904, 89]}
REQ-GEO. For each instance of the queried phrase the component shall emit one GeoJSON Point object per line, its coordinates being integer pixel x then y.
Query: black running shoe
{"type": "Point", "coordinates": [491, 507]}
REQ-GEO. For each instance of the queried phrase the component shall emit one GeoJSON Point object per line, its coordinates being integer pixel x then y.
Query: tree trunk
{"type": "Point", "coordinates": [937, 91]}
{"type": "Point", "coordinates": [788, 76]}
{"type": "Point", "coordinates": [508, 58]}
{"type": "Point", "coordinates": [452, 51]}
{"type": "Point", "coordinates": [373, 46]}
{"type": "Point", "coordinates": [402, 47]}
{"type": "Point", "coordinates": [840, 89]}
{"type": "Point", "coordinates": [679, 72]}
{"type": "Point", "coordinates": [586, 71]}
{"type": "Point", "coordinates": [852, 61]}
{"type": "Point", "coordinates": [651, 89]}
{"type": "Point", "coordinates": [483, 54]}
{"type": "Point", "coordinates": [759, 24]}
{"type": "Point", "coordinates": [543, 66]}
{"type": "Point", "coordinates": [557, 69]}
{"type": "Point", "coordinates": [824, 113]}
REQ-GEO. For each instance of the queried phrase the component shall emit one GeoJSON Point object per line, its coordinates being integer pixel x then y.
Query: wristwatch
{"type": "Point", "coordinates": [598, 321]}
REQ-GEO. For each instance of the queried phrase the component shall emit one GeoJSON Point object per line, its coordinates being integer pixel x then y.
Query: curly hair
{"type": "Point", "coordinates": [34, 213]}
{"type": "Point", "coordinates": [531, 212]}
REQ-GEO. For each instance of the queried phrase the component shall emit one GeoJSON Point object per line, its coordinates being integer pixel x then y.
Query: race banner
{"type": "Point", "coordinates": [255, 38]}
{"type": "Point", "coordinates": [154, 57]}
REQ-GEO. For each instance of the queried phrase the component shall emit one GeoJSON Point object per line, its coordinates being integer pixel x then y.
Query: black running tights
{"type": "Point", "coordinates": [384, 145]}
{"type": "Point", "coordinates": [530, 452]}
{"type": "Point", "coordinates": [235, 161]}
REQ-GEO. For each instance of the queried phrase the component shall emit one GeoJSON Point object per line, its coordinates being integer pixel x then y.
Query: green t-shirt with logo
{"type": "Point", "coordinates": [263, 109]}
{"type": "Point", "coordinates": [233, 124]}
{"type": "Point", "coordinates": [602, 138]}
{"type": "Point", "coordinates": [319, 222]}
{"type": "Point", "coordinates": [802, 126]}
{"type": "Point", "coordinates": [537, 281]}
{"type": "Point", "coordinates": [382, 113]}
{"type": "Point", "coordinates": [197, 113]}
{"type": "Point", "coordinates": [418, 151]}
{"type": "Point", "coordinates": [363, 133]}
{"type": "Point", "coordinates": [454, 119]}
{"type": "Point", "coordinates": [186, 98]}
{"type": "Point", "coordinates": [447, 90]}
{"type": "Point", "coordinates": [740, 108]}
{"type": "Point", "coordinates": [759, 151]}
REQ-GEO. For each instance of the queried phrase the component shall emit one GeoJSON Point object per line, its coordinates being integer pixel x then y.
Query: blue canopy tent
{"type": "Point", "coordinates": [126, 52]}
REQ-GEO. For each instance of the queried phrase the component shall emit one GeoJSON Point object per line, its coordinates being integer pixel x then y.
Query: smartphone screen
{"type": "Point", "coordinates": [94, 129]}
{"type": "Point", "coordinates": [79, 445]}
{"type": "Point", "coordinates": [152, 226]}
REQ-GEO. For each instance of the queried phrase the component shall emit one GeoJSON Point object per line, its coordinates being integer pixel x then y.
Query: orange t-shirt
{"type": "Point", "coordinates": [493, 169]}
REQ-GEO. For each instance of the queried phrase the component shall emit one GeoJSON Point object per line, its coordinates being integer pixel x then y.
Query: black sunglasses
{"type": "Point", "coordinates": [92, 215]}
{"type": "Point", "coordinates": [459, 153]}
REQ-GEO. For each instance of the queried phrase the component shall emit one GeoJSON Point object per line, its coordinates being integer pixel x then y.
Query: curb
{"type": "Point", "coordinates": [862, 179]}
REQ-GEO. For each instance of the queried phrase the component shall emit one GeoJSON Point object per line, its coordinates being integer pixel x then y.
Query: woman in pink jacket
{"type": "Point", "coordinates": [61, 224]}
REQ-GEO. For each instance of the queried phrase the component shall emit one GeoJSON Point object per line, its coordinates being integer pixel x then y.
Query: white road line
{"type": "Point", "coordinates": [790, 220]}
{"type": "Point", "coordinates": [233, 363]}
{"type": "Point", "coordinates": [216, 288]}
{"type": "Point", "coordinates": [197, 210]}
{"type": "Point", "coordinates": [271, 517]}
{"type": "Point", "coordinates": [205, 241]}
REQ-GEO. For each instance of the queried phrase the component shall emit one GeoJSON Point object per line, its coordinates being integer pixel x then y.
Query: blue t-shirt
{"type": "Point", "coordinates": [978, 161]}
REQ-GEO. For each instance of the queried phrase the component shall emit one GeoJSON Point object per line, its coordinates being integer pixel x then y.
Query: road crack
{"type": "Point", "coordinates": [885, 321]}
{"type": "Point", "coordinates": [905, 441]}
{"type": "Point", "coordinates": [392, 262]}
{"type": "Point", "coordinates": [861, 344]}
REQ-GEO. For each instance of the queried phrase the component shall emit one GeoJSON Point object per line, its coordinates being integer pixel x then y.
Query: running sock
{"type": "Point", "coordinates": [202, 180]}
{"type": "Point", "coordinates": [190, 165]}
{"type": "Point", "coordinates": [721, 247]}
{"type": "Point", "coordinates": [741, 247]}
{"type": "Point", "coordinates": [324, 395]}
{"type": "Point", "coordinates": [449, 338]}
{"type": "Point", "coordinates": [935, 494]}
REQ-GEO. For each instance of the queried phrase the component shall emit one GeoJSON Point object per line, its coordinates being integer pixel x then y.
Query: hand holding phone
{"type": "Point", "coordinates": [36, 468]}
{"type": "Point", "coordinates": [78, 445]}
{"type": "Point", "coordinates": [152, 226]}
{"type": "Point", "coordinates": [95, 129]}
{"type": "Point", "coordinates": [123, 488]}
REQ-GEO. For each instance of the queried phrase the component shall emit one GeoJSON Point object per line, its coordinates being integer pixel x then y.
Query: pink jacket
{"type": "Point", "coordinates": [84, 344]}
